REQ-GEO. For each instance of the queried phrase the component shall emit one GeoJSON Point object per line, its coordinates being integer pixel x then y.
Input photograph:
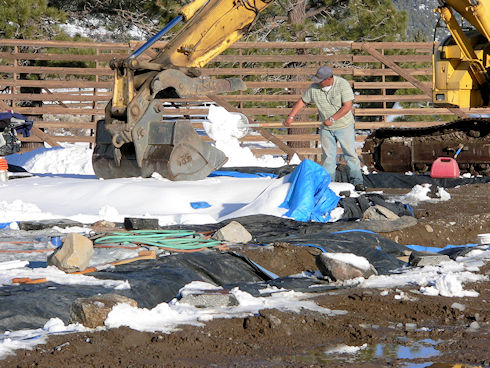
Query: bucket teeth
{"type": "Point", "coordinates": [180, 155]}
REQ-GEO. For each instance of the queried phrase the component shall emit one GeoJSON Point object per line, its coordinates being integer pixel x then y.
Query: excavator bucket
{"type": "Point", "coordinates": [173, 150]}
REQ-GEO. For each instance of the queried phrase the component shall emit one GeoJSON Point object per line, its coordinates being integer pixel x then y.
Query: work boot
{"type": "Point", "coordinates": [360, 188]}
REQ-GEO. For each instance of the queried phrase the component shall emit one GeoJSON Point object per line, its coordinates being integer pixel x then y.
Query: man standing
{"type": "Point", "coordinates": [333, 98]}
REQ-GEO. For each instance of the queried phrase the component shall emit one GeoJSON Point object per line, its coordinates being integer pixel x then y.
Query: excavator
{"type": "Point", "coordinates": [134, 140]}
{"type": "Point", "coordinates": [461, 80]}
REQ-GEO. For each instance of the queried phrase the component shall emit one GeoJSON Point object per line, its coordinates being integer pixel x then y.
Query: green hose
{"type": "Point", "coordinates": [173, 239]}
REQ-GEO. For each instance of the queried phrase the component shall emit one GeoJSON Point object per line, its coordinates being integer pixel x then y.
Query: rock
{"type": "Point", "coordinates": [74, 255]}
{"type": "Point", "coordinates": [429, 229]}
{"type": "Point", "coordinates": [92, 312]}
{"type": "Point", "coordinates": [134, 223]}
{"type": "Point", "coordinates": [421, 259]}
{"type": "Point", "coordinates": [269, 315]}
{"type": "Point", "coordinates": [338, 270]}
{"type": "Point", "coordinates": [103, 226]}
{"type": "Point", "coordinates": [410, 326]}
{"type": "Point", "coordinates": [474, 326]}
{"type": "Point", "coordinates": [234, 232]}
{"type": "Point", "coordinates": [458, 306]}
{"type": "Point", "coordinates": [48, 224]}
{"type": "Point", "coordinates": [378, 212]}
{"type": "Point", "coordinates": [210, 299]}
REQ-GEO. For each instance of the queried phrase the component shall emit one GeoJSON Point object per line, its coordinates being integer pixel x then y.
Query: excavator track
{"type": "Point", "coordinates": [415, 149]}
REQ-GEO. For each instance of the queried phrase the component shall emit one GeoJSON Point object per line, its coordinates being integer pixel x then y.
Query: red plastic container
{"type": "Point", "coordinates": [444, 167]}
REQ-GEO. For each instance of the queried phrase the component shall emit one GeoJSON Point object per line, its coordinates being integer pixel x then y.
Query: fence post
{"type": "Point", "coordinates": [94, 102]}
{"type": "Point", "coordinates": [14, 76]}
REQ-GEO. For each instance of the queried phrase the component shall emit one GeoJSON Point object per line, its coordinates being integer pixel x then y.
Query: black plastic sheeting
{"type": "Point", "coordinates": [340, 236]}
{"type": "Point", "coordinates": [378, 180]}
{"type": "Point", "coordinates": [355, 207]}
{"type": "Point", "coordinates": [395, 180]}
{"type": "Point", "coordinates": [152, 282]}
{"type": "Point", "coordinates": [156, 281]}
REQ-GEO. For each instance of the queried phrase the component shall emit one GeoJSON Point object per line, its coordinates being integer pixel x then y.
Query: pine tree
{"type": "Point", "coordinates": [121, 17]}
{"type": "Point", "coordinates": [331, 20]}
{"type": "Point", "coordinates": [29, 19]}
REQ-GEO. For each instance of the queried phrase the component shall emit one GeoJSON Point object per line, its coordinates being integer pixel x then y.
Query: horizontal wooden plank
{"type": "Point", "coordinates": [365, 72]}
{"type": "Point", "coordinates": [54, 84]}
{"type": "Point", "coordinates": [61, 57]}
{"type": "Point", "coordinates": [267, 98]}
{"type": "Point", "coordinates": [55, 97]}
{"type": "Point", "coordinates": [61, 138]}
{"type": "Point", "coordinates": [237, 45]}
{"type": "Point", "coordinates": [278, 152]}
{"type": "Point", "coordinates": [302, 151]}
{"type": "Point", "coordinates": [105, 58]}
{"type": "Point", "coordinates": [245, 110]}
{"type": "Point", "coordinates": [312, 111]}
{"type": "Point", "coordinates": [279, 71]}
{"type": "Point", "coordinates": [283, 58]}
{"type": "Point", "coordinates": [213, 71]}
{"type": "Point", "coordinates": [56, 70]}
{"type": "Point", "coordinates": [87, 96]}
{"type": "Point", "coordinates": [387, 85]}
{"type": "Point", "coordinates": [293, 45]}
{"type": "Point", "coordinates": [65, 124]}
{"type": "Point", "coordinates": [395, 45]}
{"type": "Point", "coordinates": [397, 124]}
{"type": "Point", "coordinates": [360, 125]}
{"type": "Point", "coordinates": [108, 46]}
{"type": "Point", "coordinates": [404, 111]}
{"type": "Point", "coordinates": [391, 98]}
{"type": "Point", "coordinates": [292, 137]}
{"type": "Point", "coordinates": [57, 109]}
{"type": "Point", "coordinates": [414, 58]}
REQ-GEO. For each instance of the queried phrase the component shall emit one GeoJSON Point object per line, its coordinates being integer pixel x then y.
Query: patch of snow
{"type": "Point", "coordinates": [345, 349]}
{"type": "Point", "coordinates": [349, 258]}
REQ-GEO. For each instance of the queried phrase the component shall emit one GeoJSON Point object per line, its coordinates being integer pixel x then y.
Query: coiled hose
{"type": "Point", "coordinates": [178, 240]}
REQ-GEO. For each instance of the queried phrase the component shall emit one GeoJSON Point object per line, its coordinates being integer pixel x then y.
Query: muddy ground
{"type": "Point", "coordinates": [411, 331]}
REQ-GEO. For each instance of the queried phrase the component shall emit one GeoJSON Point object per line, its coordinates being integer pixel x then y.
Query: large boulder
{"type": "Point", "coordinates": [344, 266]}
{"type": "Point", "coordinates": [92, 312]}
{"type": "Point", "coordinates": [421, 259]}
{"type": "Point", "coordinates": [210, 299]}
{"type": "Point", "coordinates": [378, 212]}
{"type": "Point", "coordinates": [234, 232]}
{"type": "Point", "coordinates": [74, 255]}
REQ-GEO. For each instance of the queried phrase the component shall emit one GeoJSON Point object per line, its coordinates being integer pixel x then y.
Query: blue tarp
{"type": "Point", "coordinates": [24, 129]}
{"type": "Point", "coordinates": [310, 198]}
{"type": "Point", "coordinates": [422, 248]}
{"type": "Point", "coordinates": [197, 205]}
{"type": "Point", "coordinates": [238, 174]}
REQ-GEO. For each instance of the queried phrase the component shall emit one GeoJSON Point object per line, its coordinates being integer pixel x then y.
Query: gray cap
{"type": "Point", "coordinates": [322, 73]}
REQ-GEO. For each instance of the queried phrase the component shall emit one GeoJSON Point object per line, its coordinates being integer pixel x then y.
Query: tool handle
{"type": "Point", "coordinates": [460, 148]}
{"type": "Point", "coordinates": [280, 125]}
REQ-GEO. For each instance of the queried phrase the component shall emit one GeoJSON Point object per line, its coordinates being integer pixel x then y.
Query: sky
{"type": "Point", "coordinates": [63, 185]}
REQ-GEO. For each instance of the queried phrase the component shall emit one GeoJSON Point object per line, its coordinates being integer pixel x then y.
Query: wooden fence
{"type": "Point", "coordinates": [64, 87]}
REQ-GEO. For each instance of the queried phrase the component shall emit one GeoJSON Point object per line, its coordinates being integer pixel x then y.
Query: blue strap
{"type": "Point", "coordinates": [197, 205]}
{"type": "Point", "coordinates": [237, 174]}
{"type": "Point", "coordinates": [354, 230]}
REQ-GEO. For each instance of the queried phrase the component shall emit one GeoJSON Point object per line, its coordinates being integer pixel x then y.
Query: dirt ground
{"type": "Point", "coordinates": [411, 330]}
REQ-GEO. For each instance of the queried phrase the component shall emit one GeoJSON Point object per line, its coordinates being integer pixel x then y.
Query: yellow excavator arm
{"type": "Point", "coordinates": [133, 140]}
{"type": "Point", "coordinates": [212, 26]}
{"type": "Point", "coordinates": [461, 64]}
